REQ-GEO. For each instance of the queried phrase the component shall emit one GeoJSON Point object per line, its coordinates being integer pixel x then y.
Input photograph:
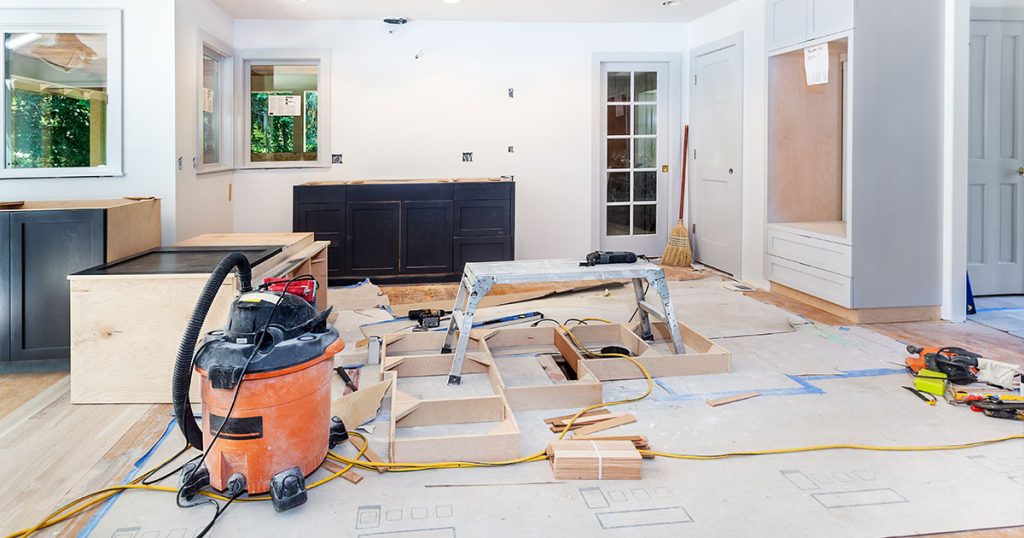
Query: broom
{"type": "Point", "coordinates": [677, 251]}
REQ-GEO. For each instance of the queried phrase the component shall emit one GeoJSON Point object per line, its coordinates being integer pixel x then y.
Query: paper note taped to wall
{"type": "Point", "coordinates": [208, 100]}
{"type": "Point", "coordinates": [285, 105]}
{"type": "Point", "coordinates": [816, 64]}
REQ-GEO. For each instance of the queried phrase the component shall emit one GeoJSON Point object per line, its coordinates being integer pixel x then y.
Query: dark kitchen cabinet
{"type": "Point", "coordinates": [408, 231]}
{"type": "Point", "coordinates": [41, 243]}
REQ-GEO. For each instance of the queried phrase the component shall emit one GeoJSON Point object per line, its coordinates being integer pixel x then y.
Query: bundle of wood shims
{"type": "Point", "coordinates": [639, 441]}
{"type": "Point", "coordinates": [595, 460]}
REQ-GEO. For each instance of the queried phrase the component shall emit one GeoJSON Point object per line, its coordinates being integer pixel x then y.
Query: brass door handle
{"type": "Point", "coordinates": [1021, 170]}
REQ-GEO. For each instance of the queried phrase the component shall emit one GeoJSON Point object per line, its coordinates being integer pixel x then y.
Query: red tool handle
{"type": "Point", "coordinates": [686, 150]}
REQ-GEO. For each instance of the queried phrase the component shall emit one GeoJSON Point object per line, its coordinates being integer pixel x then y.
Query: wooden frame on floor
{"type": "Point", "coordinates": [413, 355]}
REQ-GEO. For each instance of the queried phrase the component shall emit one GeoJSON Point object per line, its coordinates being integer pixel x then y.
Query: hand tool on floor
{"type": "Point", "coordinates": [927, 398]}
{"type": "Point", "coordinates": [599, 257]}
{"type": "Point", "coordinates": [265, 387]}
{"type": "Point", "coordinates": [346, 379]}
{"type": "Point", "coordinates": [426, 318]}
{"type": "Point", "coordinates": [959, 365]}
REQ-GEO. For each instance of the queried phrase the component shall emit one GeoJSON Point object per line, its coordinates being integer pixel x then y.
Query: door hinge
{"type": "Point", "coordinates": [694, 80]}
{"type": "Point", "coordinates": [694, 229]}
{"type": "Point", "coordinates": [695, 154]}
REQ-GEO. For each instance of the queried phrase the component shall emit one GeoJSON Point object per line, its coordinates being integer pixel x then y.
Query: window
{"type": "Point", "coordinates": [214, 105]}
{"type": "Point", "coordinates": [286, 95]}
{"type": "Point", "coordinates": [61, 93]}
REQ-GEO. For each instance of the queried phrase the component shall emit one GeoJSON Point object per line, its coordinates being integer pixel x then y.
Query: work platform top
{"type": "Point", "coordinates": [521, 271]}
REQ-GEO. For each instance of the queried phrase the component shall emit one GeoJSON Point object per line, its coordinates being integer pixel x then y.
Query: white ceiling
{"type": "Point", "coordinates": [475, 10]}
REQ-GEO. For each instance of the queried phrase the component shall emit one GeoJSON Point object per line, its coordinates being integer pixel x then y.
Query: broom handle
{"type": "Point", "coordinates": [686, 150]}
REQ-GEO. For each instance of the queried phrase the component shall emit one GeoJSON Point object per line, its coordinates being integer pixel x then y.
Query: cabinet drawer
{"type": "Point", "coordinates": [833, 257]}
{"type": "Point", "coordinates": [369, 192]}
{"type": "Point", "coordinates": [483, 217]}
{"type": "Point", "coordinates": [825, 285]}
{"type": "Point", "coordinates": [483, 191]}
{"type": "Point", "coordinates": [319, 193]}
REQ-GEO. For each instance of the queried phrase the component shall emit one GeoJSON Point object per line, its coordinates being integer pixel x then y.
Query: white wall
{"type": "Point", "coordinates": [148, 112]}
{"type": "Point", "coordinates": [398, 117]}
{"type": "Point", "coordinates": [203, 204]}
{"type": "Point", "coordinates": [746, 17]}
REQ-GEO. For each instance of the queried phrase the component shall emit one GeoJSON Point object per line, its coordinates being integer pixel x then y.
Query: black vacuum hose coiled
{"type": "Point", "coordinates": [182, 379]}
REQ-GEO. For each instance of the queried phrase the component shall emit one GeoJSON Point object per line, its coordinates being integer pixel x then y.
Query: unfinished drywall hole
{"type": "Point", "coordinates": [336, 158]}
{"type": "Point", "coordinates": [467, 156]}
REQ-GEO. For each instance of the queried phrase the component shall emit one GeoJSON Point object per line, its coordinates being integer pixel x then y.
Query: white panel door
{"type": "Point", "coordinates": [716, 134]}
{"type": "Point", "coordinates": [995, 241]}
{"type": "Point", "coordinates": [634, 152]}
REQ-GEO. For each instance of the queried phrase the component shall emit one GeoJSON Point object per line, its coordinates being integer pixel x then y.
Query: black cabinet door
{"type": "Point", "coordinates": [47, 246]}
{"type": "Point", "coordinates": [327, 222]}
{"type": "Point", "coordinates": [426, 237]}
{"type": "Point", "coordinates": [481, 249]}
{"type": "Point", "coordinates": [372, 238]}
{"type": "Point", "coordinates": [5, 287]}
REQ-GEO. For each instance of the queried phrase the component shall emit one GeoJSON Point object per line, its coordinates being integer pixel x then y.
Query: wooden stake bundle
{"type": "Point", "coordinates": [595, 460]}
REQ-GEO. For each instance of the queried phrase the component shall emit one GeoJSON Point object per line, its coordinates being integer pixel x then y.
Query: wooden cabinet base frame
{"type": "Point", "coordinates": [416, 355]}
{"type": "Point", "coordinates": [862, 315]}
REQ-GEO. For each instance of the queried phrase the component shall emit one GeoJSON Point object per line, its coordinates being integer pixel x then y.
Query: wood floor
{"type": "Point", "coordinates": [53, 451]}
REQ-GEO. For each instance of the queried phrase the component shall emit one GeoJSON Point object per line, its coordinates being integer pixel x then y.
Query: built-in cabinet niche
{"type": "Point", "coordinates": [807, 155]}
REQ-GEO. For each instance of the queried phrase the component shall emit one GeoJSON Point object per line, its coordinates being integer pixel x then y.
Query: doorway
{"type": "Point", "coordinates": [995, 199]}
{"type": "Point", "coordinates": [634, 151]}
{"type": "Point", "coordinates": [716, 154]}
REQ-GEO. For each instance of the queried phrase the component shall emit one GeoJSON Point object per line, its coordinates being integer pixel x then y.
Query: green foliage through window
{"type": "Point", "coordinates": [48, 130]}
{"type": "Point", "coordinates": [273, 137]}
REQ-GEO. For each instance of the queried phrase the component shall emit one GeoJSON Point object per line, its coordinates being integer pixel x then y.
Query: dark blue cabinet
{"type": "Point", "coordinates": [408, 231]}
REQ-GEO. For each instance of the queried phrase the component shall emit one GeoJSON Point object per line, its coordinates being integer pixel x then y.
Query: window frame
{"type": "Point", "coordinates": [107, 21]}
{"type": "Point", "coordinates": [226, 56]}
{"type": "Point", "coordinates": [322, 59]}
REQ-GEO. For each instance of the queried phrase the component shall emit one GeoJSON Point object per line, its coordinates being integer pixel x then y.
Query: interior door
{"type": "Point", "coordinates": [995, 240]}
{"type": "Point", "coordinates": [716, 134]}
{"type": "Point", "coordinates": [634, 150]}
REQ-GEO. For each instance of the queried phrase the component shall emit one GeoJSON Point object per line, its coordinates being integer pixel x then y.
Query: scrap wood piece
{"type": "Point", "coordinates": [605, 425]}
{"type": "Point", "coordinates": [731, 399]}
{"type": "Point", "coordinates": [358, 407]}
{"type": "Point", "coordinates": [639, 441]}
{"type": "Point", "coordinates": [504, 299]}
{"type": "Point", "coordinates": [349, 475]}
{"type": "Point", "coordinates": [368, 452]}
{"type": "Point", "coordinates": [553, 420]}
{"type": "Point", "coordinates": [589, 419]}
{"type": "Point", "coordinates": [595, 460]}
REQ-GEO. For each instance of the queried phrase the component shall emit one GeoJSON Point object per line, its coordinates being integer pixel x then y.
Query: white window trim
{"type": "Point", "coordinates": [227, 103]}
{"type": "Point", "coordinates": [41, 21]}
{"type": "Point", "coordinates": [322, 57]}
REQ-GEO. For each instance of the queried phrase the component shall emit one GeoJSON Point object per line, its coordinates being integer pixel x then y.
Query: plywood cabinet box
{"type": "Point", "coordinates": [408, 231]}
{"type": "Point", "coordinates": [854, 165]}
{"type": "Point", "coordinates": [127, 321]}
{"type": "Point", "coordinates": [41, 243]}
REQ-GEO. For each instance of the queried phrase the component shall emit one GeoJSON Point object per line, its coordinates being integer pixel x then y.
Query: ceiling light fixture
{"type": "Point", "coordinates": [672, 3]}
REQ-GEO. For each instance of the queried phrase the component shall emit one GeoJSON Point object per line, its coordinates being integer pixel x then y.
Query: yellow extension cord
{"type": "Point", "coordinates": [63, 514]}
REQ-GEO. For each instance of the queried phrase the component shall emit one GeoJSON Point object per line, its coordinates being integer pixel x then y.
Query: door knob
{"type": "Point", "coordinates": [1021, 170]}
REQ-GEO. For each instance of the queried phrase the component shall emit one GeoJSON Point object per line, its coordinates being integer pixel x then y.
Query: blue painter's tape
{"type": "Point", "coordinates": [95, 520]}
{"type": "Point", "coordinates": [997, 309]}
{"type": "Point", "coordinates": [805, 386]}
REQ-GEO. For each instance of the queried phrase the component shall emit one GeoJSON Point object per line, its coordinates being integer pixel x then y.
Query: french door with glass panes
{"type": "Point", "coordinates": [634, 153]}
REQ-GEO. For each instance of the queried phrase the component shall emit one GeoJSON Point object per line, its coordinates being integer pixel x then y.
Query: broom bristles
{"type": "Point", "coordinates": [677, 251]}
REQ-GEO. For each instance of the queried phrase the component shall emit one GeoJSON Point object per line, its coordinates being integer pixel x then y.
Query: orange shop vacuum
{"type": "Point", "coordinates": [266, 391]}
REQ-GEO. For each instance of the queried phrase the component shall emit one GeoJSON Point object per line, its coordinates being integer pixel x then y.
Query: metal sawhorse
{"type": "Point", "coordinates": [479, 278]}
